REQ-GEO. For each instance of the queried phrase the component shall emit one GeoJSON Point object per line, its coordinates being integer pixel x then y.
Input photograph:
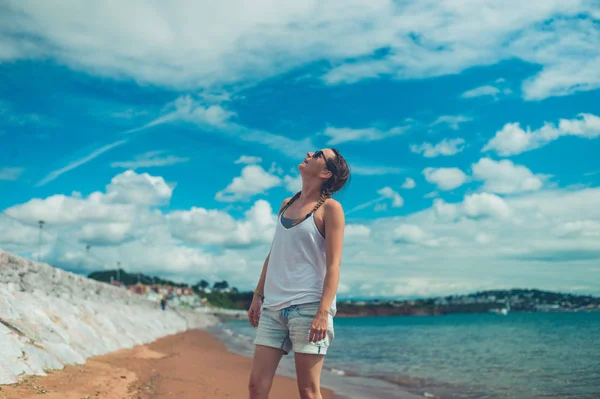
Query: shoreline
{"type": "Point", "coordinates": [345, 384]}
{"type": "Point", "coordinates": [182, 366]}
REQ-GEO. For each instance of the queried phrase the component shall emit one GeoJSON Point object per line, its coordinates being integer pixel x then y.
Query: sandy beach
{"type": "Point", "coordinates": [189, 365]}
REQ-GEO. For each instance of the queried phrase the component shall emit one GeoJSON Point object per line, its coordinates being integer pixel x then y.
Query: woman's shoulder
{"type": "Point", "coordinates": [333, 207]}
{"type": "Point", "coordinates": [284, 203]}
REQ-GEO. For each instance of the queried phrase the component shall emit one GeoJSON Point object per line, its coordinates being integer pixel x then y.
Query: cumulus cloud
{"type": "Point", "coordinates": [409, 184]}
{"type": "Point", "coordinates": [103, 234]}
{"type": "Point", "coordinates": [485, 204]}
{"type": "Point", "coordinates": [293, 184]}
{"type": "Point", "coordinates": [445, 147]}
{"type": "Point", "coordinates": [141, 189]}
{"type": "Point", "coordinates": [504, 177]}
{"type": "Point", "coordinates": [513, 140]}
{"type": "Point", "coordinates": [445, 178]}
{"type": "Point", "coordinates": [65, 210]}
{"type": "Point", "coordinates": [546, 239]}
{"type": "Point", "coordinates": [356, 231]}
{"type": "Point", "coordinates": [123, 224]}
{"type": "Point", "coordinates": [444, 211]}
{"type": "Point", "coordinates": [412, 234]}
{"type": "Point", "coordinates": [253, 180]}
{"type": "Point", "coordinates": [248, 159]}
{"type": "Point", "coordinates": [343, 135]}
{"type": "Point", "coordinates": [213, 227]}
{"type": "Point", "coordinates": [388, 192]}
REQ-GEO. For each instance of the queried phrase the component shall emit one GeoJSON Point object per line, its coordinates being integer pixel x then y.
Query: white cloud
{"type": "Point", "coordinates": [445, 147]}
{"type": "Point", "coordinates": [513, 140]}
{"type": "Point", "coordinates": [504, 177]}
{"type": "Point", "coordinates": [388, 192]}
{"type": "Point", "coordinates": [192, 110]}
{"type": "Point", "coordinates": [546, 239]}
{"type": "Point", "coordinates": [102, 234]}
{"type": "Point", "coordinates": [356, 231]}
{"type": "Point", "coordinates": [480, 91]}
{"type": "Point", "coordinates": [75, 164]}
{"type": "Point", "coordinates": [60, 209]}
{"type": "Point", "coordinates": [150, 159]}
{"type": "Point", "coordinates": [131, 230]}
{"type": "Point", "coordinates": [409, 184]}
{"type": "Point", "coordinates": [248, 159]}
{"type": "Point", "coordinates": [215, 118]}
{"type": "Point", "coordinates": [213, 227]}
{"type": "Point", "coordinates": [380, 207]}
{"type": "Point", "coordinates": [412, 234]}
{"type": "Point", "coordinates": [365, 170]}
{"type": "Point", "coordinates": [157, 45]}
{"type": "Point", "coordinates": [485, 204]}
{"type": "Point", "coordinates": [129, 113]}
{"type": "Point", "coordinates": [10, 173]}
{"type": "Point", "coordinates": [453, 121]}
{"type": "Point", "coordinates": [579, 228]}
{"type": "Point", "coordinates": [344, 135]}
{"type": "Point", "coordinates": [118, 204]}
{"type": "Point", "coordinates": [253, 180]}
{"type": "Point", "coordinates": [10, 117]}
{"type": "Point", "coordinates": [376, 202]}
{"type": "Point", "coordinates": [140, 189]}
{"type": "Point", "coordinates": [445, 211]}
{"type": "Point", "coordinates": [445, 178]}
{"type": "Point", "coordinates": [293, 184]}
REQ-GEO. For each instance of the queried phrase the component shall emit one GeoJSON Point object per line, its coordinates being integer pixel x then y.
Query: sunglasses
{"type": "Point", "coordinates": [328, 162]}
{"type": "Point", "coordinates": [318, 154]}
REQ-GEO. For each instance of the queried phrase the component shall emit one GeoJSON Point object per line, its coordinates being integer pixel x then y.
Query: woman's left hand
{"type": "Point", "coordinates": [318, 328]}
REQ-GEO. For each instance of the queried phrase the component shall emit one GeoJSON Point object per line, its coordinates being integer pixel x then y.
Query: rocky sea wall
{"type": "Point", "coordinates": [50, 318]}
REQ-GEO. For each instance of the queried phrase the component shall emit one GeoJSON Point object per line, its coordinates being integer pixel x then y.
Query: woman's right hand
{"type": "Point", "coordinates": [254, 311]}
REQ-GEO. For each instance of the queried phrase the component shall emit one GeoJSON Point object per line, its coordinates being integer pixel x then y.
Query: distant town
{"type": "Point", "coordinates": [493, 301]}
{"type": "Point", "coordinates": [221, 295]}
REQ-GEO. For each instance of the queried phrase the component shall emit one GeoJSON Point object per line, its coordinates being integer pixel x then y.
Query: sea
{"type": "Point", "coordinates": [473, 356]}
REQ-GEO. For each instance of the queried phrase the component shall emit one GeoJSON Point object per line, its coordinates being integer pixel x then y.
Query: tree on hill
{"type": "Point", "coordinates": [220, 285]}
{"type": "Point", "coordinates": [200, 286]}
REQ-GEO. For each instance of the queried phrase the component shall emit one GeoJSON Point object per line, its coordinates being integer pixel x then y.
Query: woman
{"type": "Point", "coordinates": [294, 301]}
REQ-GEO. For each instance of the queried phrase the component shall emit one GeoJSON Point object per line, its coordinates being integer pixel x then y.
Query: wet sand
{"type": "Point", "coordinates": [190, 365]}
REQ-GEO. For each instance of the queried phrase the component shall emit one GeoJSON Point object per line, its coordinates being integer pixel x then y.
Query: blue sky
{"type": "Point", "coordinates": [167, 142]}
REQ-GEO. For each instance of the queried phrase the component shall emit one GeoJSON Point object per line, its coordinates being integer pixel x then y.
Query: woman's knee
{"type": "Point", "coordinates": [259, 386]}
{"type": "Point", "coordinates": [310, 392]}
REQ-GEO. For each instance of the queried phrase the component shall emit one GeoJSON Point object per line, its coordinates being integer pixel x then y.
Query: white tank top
{"type": "Point", "coordinates": [296, 268]}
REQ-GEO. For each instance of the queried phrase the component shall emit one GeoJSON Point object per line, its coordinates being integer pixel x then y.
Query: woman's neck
{"type": "Point", "coordinates": [311, 191]}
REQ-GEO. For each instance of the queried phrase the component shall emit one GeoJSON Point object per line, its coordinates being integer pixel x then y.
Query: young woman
{"type": "Point", "coordinates": [295, 300]}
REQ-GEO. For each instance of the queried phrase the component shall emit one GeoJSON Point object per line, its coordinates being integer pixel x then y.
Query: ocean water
{"type": "Point", "coordinates": [487, 356]}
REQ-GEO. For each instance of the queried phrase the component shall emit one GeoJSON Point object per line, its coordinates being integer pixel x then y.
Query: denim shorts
{"type": "Point", "coordinates": [288, 329]}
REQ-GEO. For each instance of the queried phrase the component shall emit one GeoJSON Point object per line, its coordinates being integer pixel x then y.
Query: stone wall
{"type": "Point", "coordinates": [50, 318]}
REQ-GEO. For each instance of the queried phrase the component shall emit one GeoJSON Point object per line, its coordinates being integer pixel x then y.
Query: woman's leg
{"type": "Point", "coordinates": [308, 374]}
{"type": "Point", "coordinates": [264, 365]}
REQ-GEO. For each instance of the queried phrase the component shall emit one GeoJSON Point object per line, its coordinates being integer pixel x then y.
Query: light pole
{"type": "Point", "coordinates": [41, 223]}
{"type": "Point", "coordinates": [118, 272]}
{"type": "Point", "coordinates": [87, 250]}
